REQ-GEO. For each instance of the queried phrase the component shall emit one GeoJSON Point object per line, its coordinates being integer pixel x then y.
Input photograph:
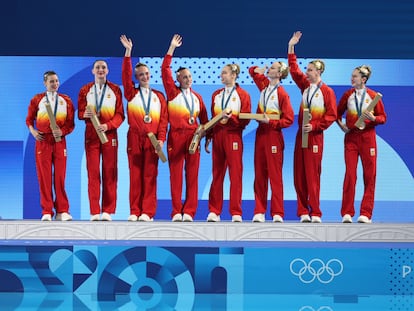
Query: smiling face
{"type": "Point", "coordinates": [313, 74]}
{"type": "Point", "coordinates": [184, 78]}
{"type": "Point", "coordinates": [51, 82]}
{"type": "Point", "coordinates": [100, 71]}
{"type": "Point", "coordinates": [228, 76]}
{"type": "Point", "coordinates": [357, 80]}
{"type": "Point", "coordinates": [142, 74]}
{"type": "Point", "coordinates": [273, 71]}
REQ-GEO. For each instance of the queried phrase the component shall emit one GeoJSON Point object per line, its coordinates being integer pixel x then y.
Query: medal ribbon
{"type": "Point", "coordinates": [359, 105]}
{"type": "Point", "coordinates": [56, 103]}
{"type": "Point", "coordinates": [148, 105]}
{"type": "Point", "coordinates": [99, 106]}
{"type": "Point", "coordinates": [224, 105]}
{"type": "Point", "coordinates": [190, 109]}
{"type": "Point", "coordinates": [309, 101]}
{"type": "Point", "coordinates": [266, 100]}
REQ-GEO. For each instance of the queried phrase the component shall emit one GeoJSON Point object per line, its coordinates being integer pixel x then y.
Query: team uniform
{"type": "Point", "coordinates": [50, 155]}
{"type": "Point", "coordinates": [269, 144]}
{"type": "Point", "coordinates": [184, 107]}
{"type": "Point", "coordinates": [360, 143]}
{"type": "Point", "coordinates": [228, 148]}
{"type": "Point", "coordinates": [147, 112]}
{"type": "Point", "coordinates": [108, 105]}
{"type": "Point", "coordinates": [321, 101]}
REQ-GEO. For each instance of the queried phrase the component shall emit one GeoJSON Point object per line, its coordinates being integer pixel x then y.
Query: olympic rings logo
{"type": "Point", "coordinates": [316, 269]}
{"type": "Point", "coordinates": [309, 308]}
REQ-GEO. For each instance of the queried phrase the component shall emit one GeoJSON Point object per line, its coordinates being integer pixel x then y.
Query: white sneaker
{"type": "Point", "coordinates": [305, 218]}
{"type": "Point", "coordinates": [132, 217]}
{"type": "Point", "coordinates": [177, 217]}
{"type": "Point", "coordinates": [46, 217]}
{"type": "Point", "coordinates": [277, 218]}
{"type": "Point", "coordinates": [316, 219]}
{"type": "Point", "coordinates": [258, 217]}
{"type": "Point", "coordinates": [364, 219]}
{"type": "Point", "coordinates": [236, 218]}
{"type": "Point", "coordinates": [106, 217]}
{"type": "Point", "coordinates": [213, 217]}
{"type": "Point", "coordinates": [95, 217]}
{"type": "Point", "coordinates": [347, 219]}
{"type": "Point", "coordinates": [187, 218]}
{"type": "Point", "coordinates": [144, 217]}
{"type": "Point", "coordinates": [63, 217]}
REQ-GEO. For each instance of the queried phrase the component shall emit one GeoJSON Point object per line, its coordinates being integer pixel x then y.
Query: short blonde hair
{"type": "Point", "coordinates": [364, 70]}
{"type": "Point", "coordinates": [319, 65]}
{"type": "Point", "coordinates": [235, 68]}
{"type": "Point", "coordinates": [284, 70]}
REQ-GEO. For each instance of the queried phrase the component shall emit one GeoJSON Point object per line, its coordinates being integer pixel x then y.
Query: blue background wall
{"type": "Point", "coordinates": [68, 37]}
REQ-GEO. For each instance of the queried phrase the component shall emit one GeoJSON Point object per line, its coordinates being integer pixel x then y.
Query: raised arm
{"type": "Point", "coordinates": [293, 41]}
{"type": "Point", "coordinates": [166, 73]}
{"type": "Point", "coordinates": [258, 76]}
{"type": "Point", "coordinates": [176, 42]}
{"type": "Point", "coordinates": [129, 86]}
{"type": "Point", "coordinates": [127, 43]}
{"type": "Point", "coordinates": [296, 73]}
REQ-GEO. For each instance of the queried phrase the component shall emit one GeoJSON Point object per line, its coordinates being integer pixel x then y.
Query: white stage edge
{"type": "Point", "coordinates": [203, 231]}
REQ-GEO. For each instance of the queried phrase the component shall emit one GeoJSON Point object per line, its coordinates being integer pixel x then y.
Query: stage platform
{"type": "Point", "coordinates": [205, 231]}
{"type": "Point", "coordinates": [160, 265]}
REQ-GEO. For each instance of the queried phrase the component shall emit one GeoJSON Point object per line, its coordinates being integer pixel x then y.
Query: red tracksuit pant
{"type": "Point", "coordinates": [178, 157]}
{"type": "Point", "coordinates": [109, 154]}
{"type": "Point", "coordinates": [360, 144]}
{"type": "Point", "coordinates": [307, 173]}
{"type": "Point", "coordinates": [227, 152]}
{"type": "Point", "coordinates": [268, 163]}
{"type": "Point", "coordinates": [51, 157]}
{"type": "Point", "coordinates": [143, 172]}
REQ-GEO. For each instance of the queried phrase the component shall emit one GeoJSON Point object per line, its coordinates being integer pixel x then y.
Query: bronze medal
{"type": "Point", "coordinates": [147, 119]}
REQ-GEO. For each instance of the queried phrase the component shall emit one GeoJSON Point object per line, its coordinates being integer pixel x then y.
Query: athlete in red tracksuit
{"type": "Point", "coordinates": [321, 101]}
{"type": "Point", "coordinates": [228, 144]}
{"type": "Point", "coordinates": [184, 106]}
{"type": "Point", "coordinates": [51, 155]}
{"type": "Point", "coordinates": [147, 112]}
{"type": "Point", "coordinates": [269, 143]}
{"type": "Point", "coordinates": [106, 97]}
{"type": "Point", "coordinates": [359, 142]}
